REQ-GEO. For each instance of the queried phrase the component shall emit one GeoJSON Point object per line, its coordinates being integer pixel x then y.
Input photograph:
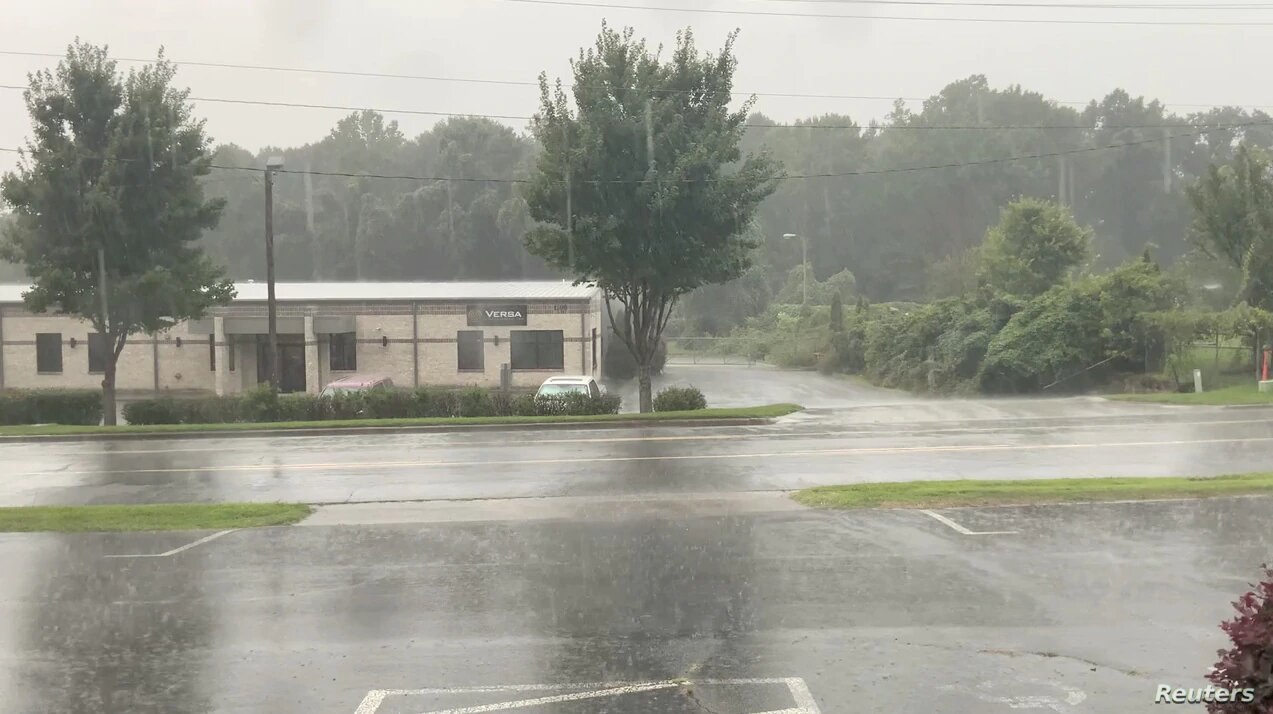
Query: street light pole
{"type": "Point", "coordinates": [271, 165]}
{"type": "Point", "coordinates": [804, 264]}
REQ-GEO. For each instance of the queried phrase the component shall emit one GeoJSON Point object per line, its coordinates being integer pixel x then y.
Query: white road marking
{"type": "Point", "coordinates": [960, 529]}
{"type": "Point", "coordinates": [1073, 697]}
{"type": "Point", "coordinates": [175, 551]}
{"type": "Point", "coordinates": [795, 685]}
{"type": "Point", "coordinates": [667, 457]}
{"type": "Point", "coordinates": [905, 430]}
{"type": "Point", "coordinates": [558, 698]}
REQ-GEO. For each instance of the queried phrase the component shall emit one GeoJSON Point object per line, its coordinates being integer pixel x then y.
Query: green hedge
{"type": "Point", "coordinates": [679, 399]}
{"type": "Point", "coordinates": [51, 406]}
{"type": "Point", "coordinates": [259, 405]}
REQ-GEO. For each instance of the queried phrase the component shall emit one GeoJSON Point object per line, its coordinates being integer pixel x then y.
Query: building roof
{"type": "Point", "coordinates": [349, 291]}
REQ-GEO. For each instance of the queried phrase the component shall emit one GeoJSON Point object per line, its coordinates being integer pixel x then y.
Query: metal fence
{"type": "Point", "coordinates": [708, 350]}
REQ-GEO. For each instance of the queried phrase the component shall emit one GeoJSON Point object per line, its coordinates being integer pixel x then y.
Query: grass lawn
{"type": "Point", "coordinates": [933, 494]}
{"type": "Point", "coordinates": [1239, 394]}
{"type": "Point", "coordinates": [767, 411]}
{"type": "Point", "coordinates": [150, 517]}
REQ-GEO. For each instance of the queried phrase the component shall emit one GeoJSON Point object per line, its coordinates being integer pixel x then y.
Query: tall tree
{"type": "Point", "coordinates": [1034, 246]}
{"type": "Point", "coordinates": [1233, 220]}
{"type": "Point", "coordinates": [107, 195]}
{"type": "Point", "coordinates": [642, 189]}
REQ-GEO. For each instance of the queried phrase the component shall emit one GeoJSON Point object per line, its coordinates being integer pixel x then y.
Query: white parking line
{"type": "Point", "coordinates": [175, 551]}
{"type": "Point", "coordinates": [803, 698]}
{"type": "Point", "coordinates": [960, 529]}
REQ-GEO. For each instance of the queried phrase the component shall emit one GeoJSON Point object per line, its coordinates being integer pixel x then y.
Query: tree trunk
{"type": "Point", "coordinates": [108, 392]}
{"type": "Point", "coordinates": [643, 388]}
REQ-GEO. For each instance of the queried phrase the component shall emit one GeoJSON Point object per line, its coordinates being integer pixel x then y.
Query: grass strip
{"type": "Point", "coordinates": [934, 494]}
{"type": "Point", "coordinates": [766, 411]}
{"type": "Point", "coordinates": [1238, 394]}
{"type": "Point", "coordinates": [150, 517]}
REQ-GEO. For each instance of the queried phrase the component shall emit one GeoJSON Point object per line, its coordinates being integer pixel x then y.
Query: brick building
{"type": "Point", "coordinates": [445, 333]}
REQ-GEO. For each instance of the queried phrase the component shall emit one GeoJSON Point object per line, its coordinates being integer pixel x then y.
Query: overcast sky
{"type": "Point", "coordinates": [501, 40]}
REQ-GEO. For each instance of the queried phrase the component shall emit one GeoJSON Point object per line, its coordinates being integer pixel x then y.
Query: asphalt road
{"type": "Point", "coordinates": [1083, 609]}
{"type": "Point", "coordinates": [901, 441]}
{"type": "Point", "coordinates": [630, 571]}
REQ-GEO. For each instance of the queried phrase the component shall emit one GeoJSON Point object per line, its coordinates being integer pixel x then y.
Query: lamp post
{"type": "Point", "coordinates": [804, 262]}
{"type": "Point", "coordinates": [272, 164]}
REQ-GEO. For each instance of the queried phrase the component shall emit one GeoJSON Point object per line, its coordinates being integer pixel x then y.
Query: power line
{"type": "Point", "coordinates": [750, 125]}
{"type": "Point", "coordinates": [1048, 5]}
{"type": "Point", "coordinates": [475, 80]}
{"type": "Point", "coordinates": [827, 16]}
{"type": "Point", "coordinates": [787, 177]}
{"type": "Point", "coordinates": [431, 78]}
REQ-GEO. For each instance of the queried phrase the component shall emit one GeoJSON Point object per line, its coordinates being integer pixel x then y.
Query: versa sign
{"type": "Point", "coordinates": [483, 315]}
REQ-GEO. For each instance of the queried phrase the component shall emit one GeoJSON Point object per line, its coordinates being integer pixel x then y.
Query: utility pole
{"type": "Point", "coordinates": [570, 233]}
{"type": "Point", "coordinates": [1166, 160]}
{"type": "Point", "coordinates": [271, 165]}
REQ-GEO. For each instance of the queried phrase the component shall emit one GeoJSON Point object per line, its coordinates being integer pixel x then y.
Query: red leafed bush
{"type": "Point", "coordinates": [1249, 664]}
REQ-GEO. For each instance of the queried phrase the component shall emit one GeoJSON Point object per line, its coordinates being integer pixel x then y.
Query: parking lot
{"type": "Point", "coordinates": [733, 605]}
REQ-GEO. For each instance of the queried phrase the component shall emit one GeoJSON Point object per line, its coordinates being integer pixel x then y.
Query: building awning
{"type": "Point", "coordinates": [323, 325]}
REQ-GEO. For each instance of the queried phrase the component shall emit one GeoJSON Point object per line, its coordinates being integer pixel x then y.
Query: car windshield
{"type": "Point", "coordinates": [550, 389]}
{"type": "Point", "coordinates": [636, 356]}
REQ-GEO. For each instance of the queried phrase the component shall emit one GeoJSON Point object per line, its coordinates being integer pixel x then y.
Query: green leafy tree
{"type": "Point", "coordinates": [110, 182]}
{"type": "Point", "coordinates": [837, 313]}
{"type": "Point", "coordinates": [1233, 220]}
{"type": "Point", "coordinates": [642, 188]}
{"type": "Point", "coordinates": [1034, 246]}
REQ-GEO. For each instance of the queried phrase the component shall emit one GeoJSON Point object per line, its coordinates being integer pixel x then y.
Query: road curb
{"type": "Point", "coordinates": [355, 430]}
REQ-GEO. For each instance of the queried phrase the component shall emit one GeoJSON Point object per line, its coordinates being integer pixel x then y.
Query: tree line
{"type": "Point", "coordinates": [903, 234]}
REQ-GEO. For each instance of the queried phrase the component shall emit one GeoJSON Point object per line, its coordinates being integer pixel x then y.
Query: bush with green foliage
{"type": "Point", "coordinates": [259, 405]}
{"type": "Point", "coordinates": [50, 406]}
{"type": "Point", "coordinates": [679, 399]}
{"type": "Point", "coordinates": [1034, 246]}
{"type": "Point", "coordinates": [1079, 334]}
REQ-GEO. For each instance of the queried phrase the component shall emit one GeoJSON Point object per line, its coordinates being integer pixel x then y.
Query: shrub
{"type": "Point", "coordinates": [524, 405]}
{"type": "Point", "coordinates": [435, 403]}
{"type": "Point", "coordinates": [679, 399]}
{"type": "Point", "coordinates": [51, 406]}
{"type": "Point", "coordinates": [260, 404]}
{"type": "Point", "coordinates": [376, 404]}
{"type": "Point", "coordinates": [1249, 663]}
{"type": "Point", "coordinates": [153, 411]}
{"type": "Point", "coordinates": [576, 403]}
{"type": "Point", "coordinates": [474, 401]}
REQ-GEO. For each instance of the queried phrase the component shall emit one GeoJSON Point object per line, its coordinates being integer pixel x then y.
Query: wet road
{"type": "Point", "coordinates": [745, 386]}
{"type": "Point", "coordinates": [599, 571]}
{"type": "Point", "coordinates": [901, 441]}
{"type": "Point", "coordinates": [1083, 609]}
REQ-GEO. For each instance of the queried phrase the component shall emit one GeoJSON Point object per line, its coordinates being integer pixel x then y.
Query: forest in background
{"type": "Point", "coordinates": [900, 228]}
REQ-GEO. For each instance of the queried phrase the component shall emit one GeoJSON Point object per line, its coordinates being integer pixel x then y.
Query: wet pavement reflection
{"type": "Point", "coordinates": [874, 611]}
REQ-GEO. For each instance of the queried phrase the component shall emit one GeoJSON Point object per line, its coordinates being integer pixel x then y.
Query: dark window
{"type": "Point", "coordinates": [96, 352]}
{"type": "Point", "coordinates": [537, 349]}
{"type": "Point", "coordinates": [594, 350]}
{"type": "Point", "coordinates": [342, 352]}
{"type": "Point", "coordinates": [470, 356]}
{"type": "Point", "coordinates": [48, 352]}
{"type": "Point", "coordinates": [212, 352]}
{"type": "Point", "coordinates": [229, 352]}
